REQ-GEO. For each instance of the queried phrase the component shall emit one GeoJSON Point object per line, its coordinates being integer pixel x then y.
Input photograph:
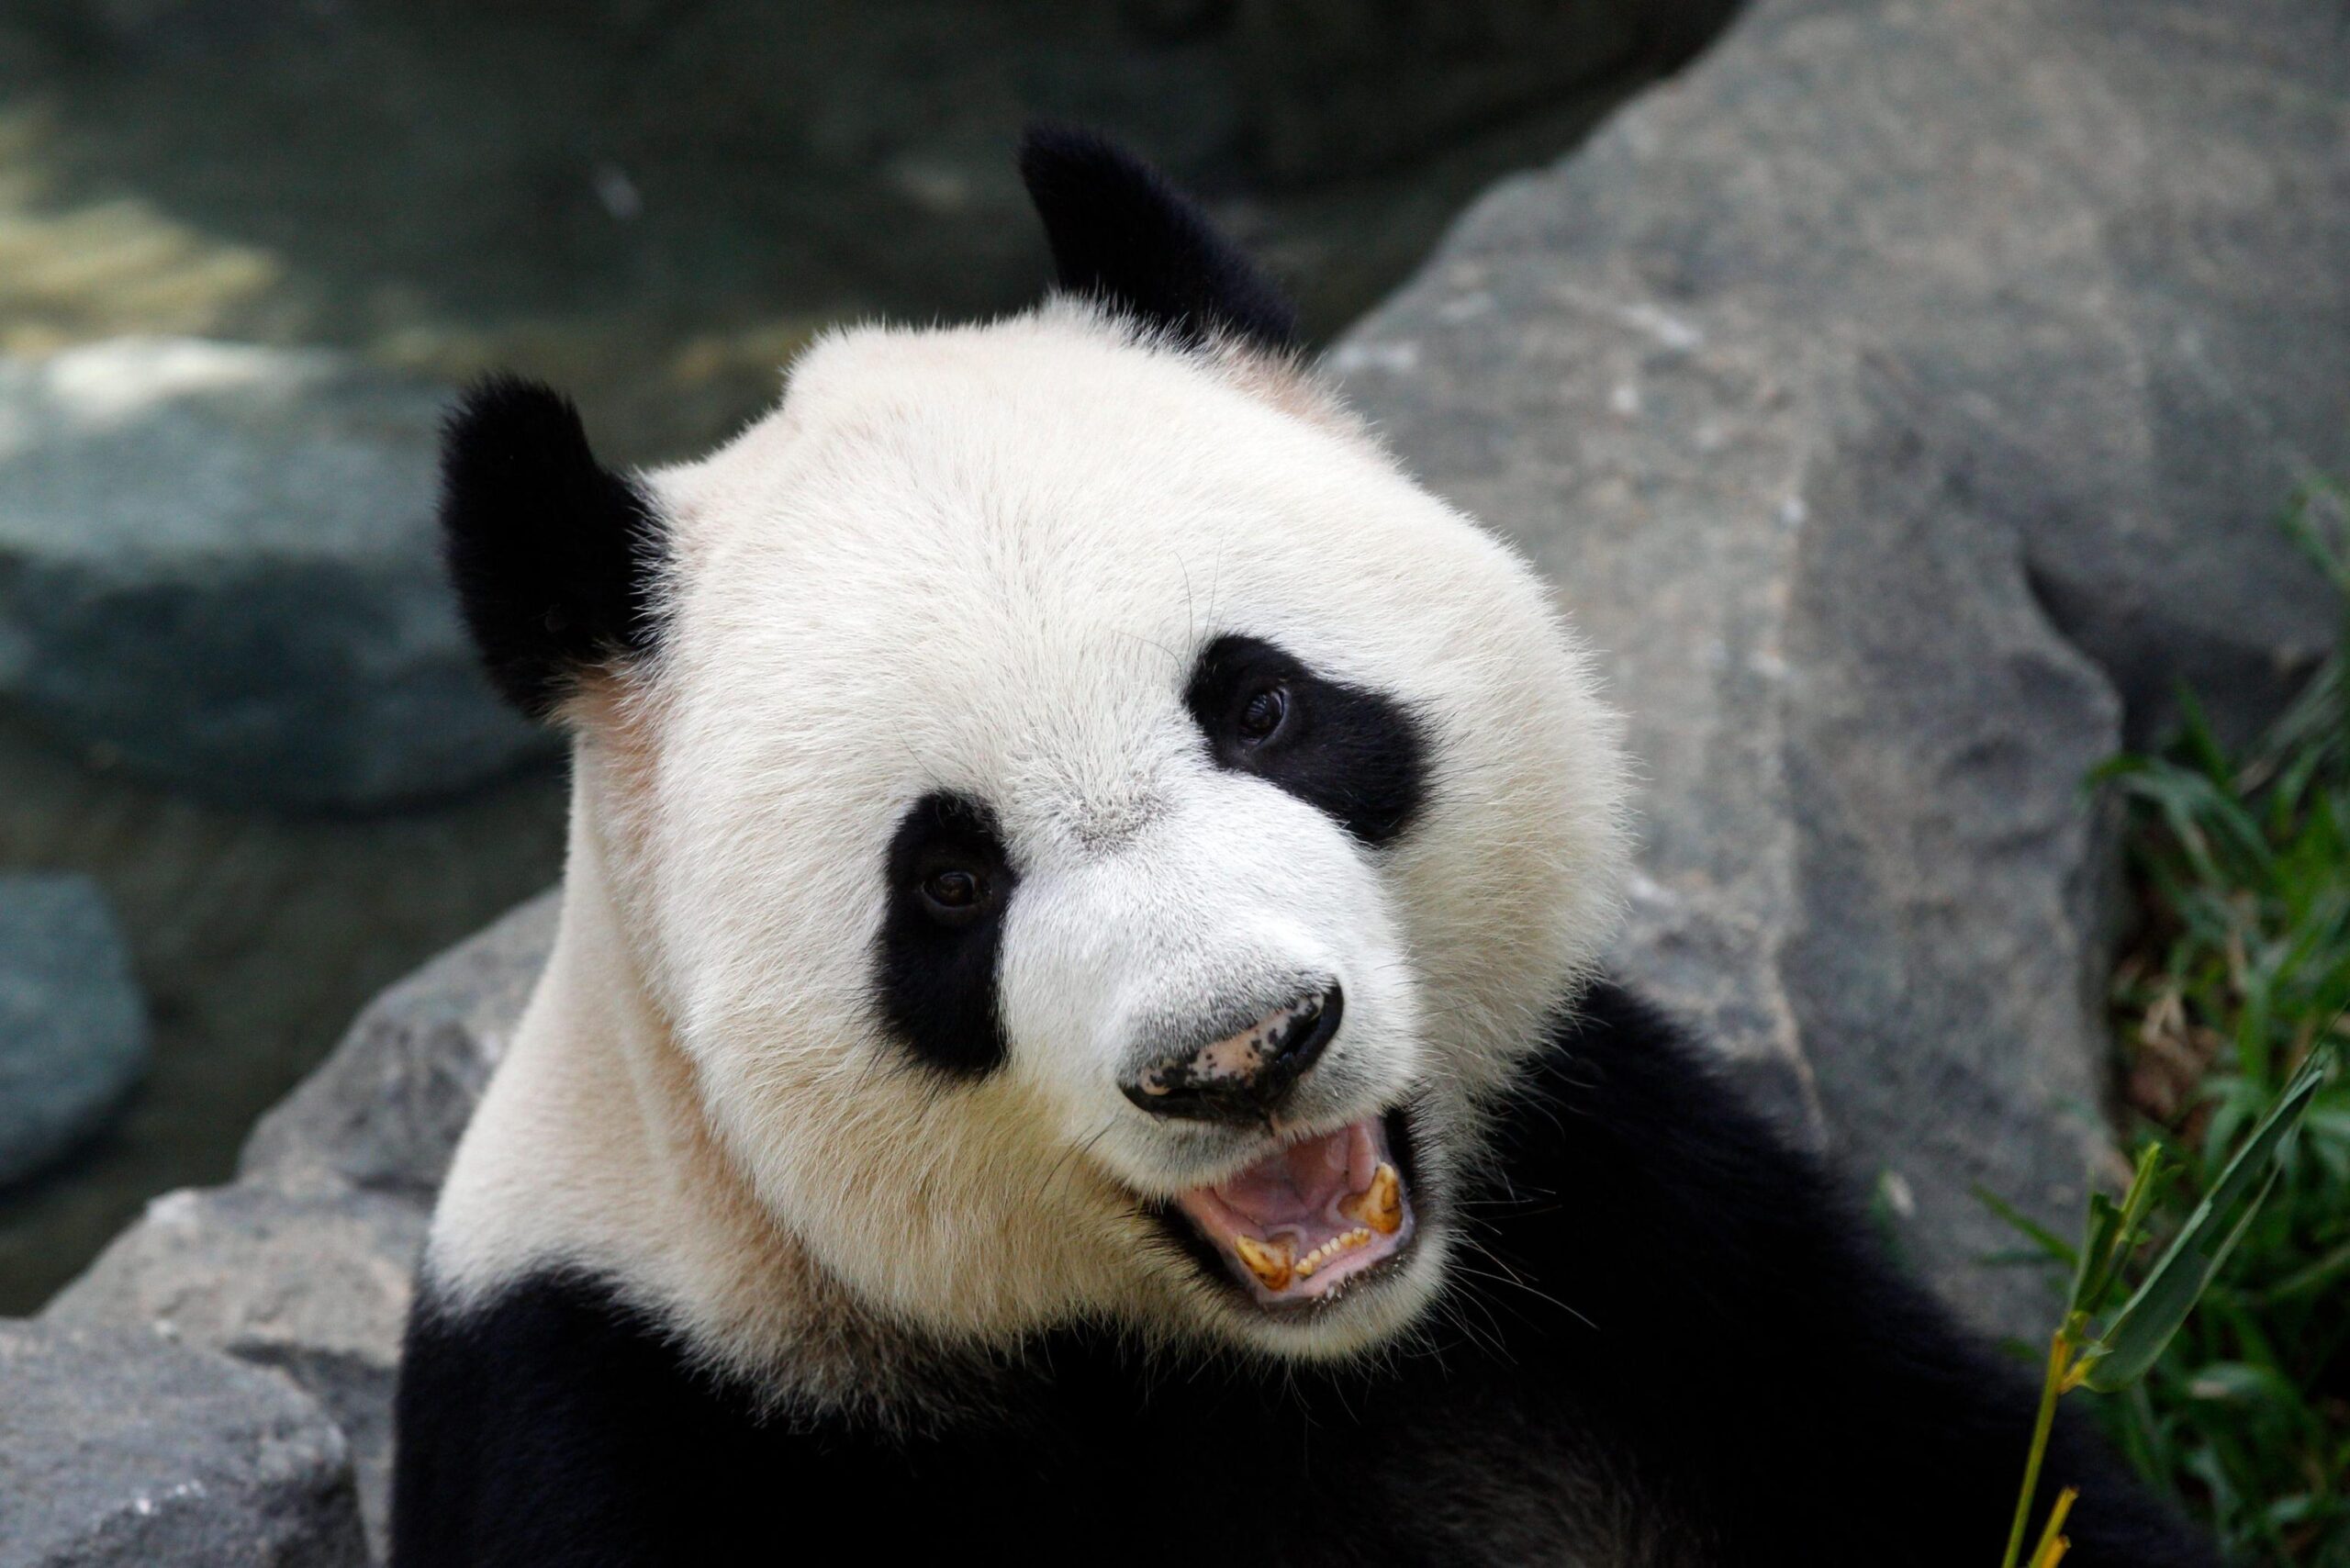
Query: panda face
{"type": "Point", "coordinates": [1101, 834]}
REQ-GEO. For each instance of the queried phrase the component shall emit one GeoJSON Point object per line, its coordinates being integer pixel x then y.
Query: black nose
{"type": "Point", "coordinates": [1246, 1076]}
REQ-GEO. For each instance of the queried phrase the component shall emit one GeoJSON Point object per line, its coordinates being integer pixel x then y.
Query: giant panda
{"type": "Point", "coordinates": [1076, 1032]}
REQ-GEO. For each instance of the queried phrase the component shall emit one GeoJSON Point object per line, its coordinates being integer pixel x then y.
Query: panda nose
{"type": "Point", "coordinates": [1248, 1076]}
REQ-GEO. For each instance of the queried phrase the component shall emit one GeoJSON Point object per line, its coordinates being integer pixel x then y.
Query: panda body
{"type": "Point", "coordinates": [1073, 1028]}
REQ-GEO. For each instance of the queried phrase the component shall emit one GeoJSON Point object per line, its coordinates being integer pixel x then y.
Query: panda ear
{"type": "Point", "coordinates": [555, 557]}
{"type": "Point", "coordinates": [1122, 234]}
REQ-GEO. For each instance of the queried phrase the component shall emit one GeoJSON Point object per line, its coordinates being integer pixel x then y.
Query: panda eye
{"type": "Point", "coordinates": [955, 895]}
{"type": "Point", "coordinates": [1262, 715]}
{"type": "Point", "coordinates": [1354, 753]}
{"type": "Point", "coordinates": [948, 882]}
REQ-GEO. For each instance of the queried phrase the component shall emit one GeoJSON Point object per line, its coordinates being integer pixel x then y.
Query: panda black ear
{"type": "Point", "coordinates": [554, 555]}
{"type": "Point", "coordinates": [1121, 233]}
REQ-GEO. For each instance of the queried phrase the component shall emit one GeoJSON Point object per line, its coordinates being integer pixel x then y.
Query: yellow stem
{"type": "Point", "coordinates": [2060, 1358]}
{"type": "Point", "coordinates": [2052, 1544]}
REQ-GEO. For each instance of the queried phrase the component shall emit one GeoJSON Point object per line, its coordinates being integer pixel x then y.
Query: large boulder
{"type": "Point", "coordinates": [218, 564]}
{"type": "Point", "coordinates": [314, 1284]}
{"type": "Point", "coordinates": [1902, 401]}
{"type": "Point", "coordinates": [73, 1028]}
{"type": "Point", "coordinates": [124, 1450]}
{"type": "Point", "coordinates": [2110, 239]}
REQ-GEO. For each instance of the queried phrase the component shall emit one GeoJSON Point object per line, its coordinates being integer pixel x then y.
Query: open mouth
{"type": "Point", "coordinates": [1313, 1217]}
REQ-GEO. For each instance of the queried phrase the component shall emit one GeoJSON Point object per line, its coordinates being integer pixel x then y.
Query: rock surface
{"type": "Point", "coordinates": [218, 562]}
{"type": "Point", "coordinates": [385, 1112]}
{"type": "Point", "coordinates": [314, 1284]}
{"type": "Point", "coordinates": [1902, 401]}
{"type": "Point", "coordinates": [124, 1450]}
{"type": "Point", "coordinates": [73, 1028]}
{"type": "Point", "coordinates": [305, 1265]}
{"type": "Point", "coordinates": [2111, 242]}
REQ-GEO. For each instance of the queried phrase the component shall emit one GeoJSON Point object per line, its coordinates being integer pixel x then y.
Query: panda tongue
{"type": "Point", "coordinates": [1294, 1224]}
{"type": "Point", "coordinates": [1301, 1185]}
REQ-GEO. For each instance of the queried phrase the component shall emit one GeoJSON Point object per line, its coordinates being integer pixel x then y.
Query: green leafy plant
{"type": "Point", "coordinates": [2229, 1002]}
{"type": "Point", "coordinates": [2115, 1357]}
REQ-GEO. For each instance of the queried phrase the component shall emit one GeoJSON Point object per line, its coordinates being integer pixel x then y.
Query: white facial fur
{"type": "Point", "coordinates": [986, 559]}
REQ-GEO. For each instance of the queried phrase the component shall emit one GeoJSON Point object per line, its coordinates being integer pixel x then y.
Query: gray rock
{"type": "Point", "coordinates": [72, 1029]}
{"type": "Point", "coordinates": [1887, 396]}
{"type": "Point", "coordinates": [122, 1449]}
{"type": "Point", "coordinates": [307, 1264]}
{"type": "Point", "coordinates": [314, 1284]}
{"type": "Point", "coordinates": [385, 1110]}
{"type": "Point", "coordinates": [2109, 240]}
{"type": "Point", "coordinates": [1866, 867]}
{"type": "Point", "coordinates": [218, 564]}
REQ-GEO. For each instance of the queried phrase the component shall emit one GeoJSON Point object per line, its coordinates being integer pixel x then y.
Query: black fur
{"type": "Point", "coordinates": [1354, 755]}
{"type": "Point", "coordinates": [554, 555]}
{"type": "Point", "coordinates": [1121, 233]}
{"type": "Point", "coordinates": [1671, 1344]}
{"type": "Point", "coordinates": [938, 980]}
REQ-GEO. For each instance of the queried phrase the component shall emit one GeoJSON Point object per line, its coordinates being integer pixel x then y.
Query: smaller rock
{"type": "Point", "coordinates": [219, 564]}
{"type": "Point", "coordinates": [72, 1030]}
{"type": "Point", "coordinates": [314, 1284]}
{"type": "Point", "coordinates": [120, 1450]}
{"type": "Point", "coordinates": [386, 1111]}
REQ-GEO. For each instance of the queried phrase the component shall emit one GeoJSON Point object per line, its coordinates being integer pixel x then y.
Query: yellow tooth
{"type": "Point", "coordinates": [1271, 1264]}
{"type": "Point", "coordinates": [1380, 1205]}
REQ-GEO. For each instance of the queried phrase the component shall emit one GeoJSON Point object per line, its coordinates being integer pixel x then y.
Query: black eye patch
{"type": "Point", "coordinates": [950, 881]}
{"type": "Point", "coordinates": [1355, 755]}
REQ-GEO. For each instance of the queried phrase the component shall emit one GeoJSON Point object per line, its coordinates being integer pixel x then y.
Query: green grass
{"type": "Point", "coordinates": [2241, 964]}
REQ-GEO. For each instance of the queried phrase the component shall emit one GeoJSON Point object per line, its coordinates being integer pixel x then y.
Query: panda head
{"type": "Point", "coordinates": [1101, 834]}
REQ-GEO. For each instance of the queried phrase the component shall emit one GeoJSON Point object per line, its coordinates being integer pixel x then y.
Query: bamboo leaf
{"type": "Point", "coordinates": [2113, 1233]}
{"type": "Point", "coordinates": [2306, 1282]}
{"type": "Point", "coordinates": [2148, 1319]}
{"type": "Point", "coordinates": [2094, 1273]}
{"type": "Point", "coordinates": [2047, 1240]}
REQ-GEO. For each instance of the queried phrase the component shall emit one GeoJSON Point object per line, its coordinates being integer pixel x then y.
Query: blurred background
{"type": "Point", "coordinates": [247, 776]}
